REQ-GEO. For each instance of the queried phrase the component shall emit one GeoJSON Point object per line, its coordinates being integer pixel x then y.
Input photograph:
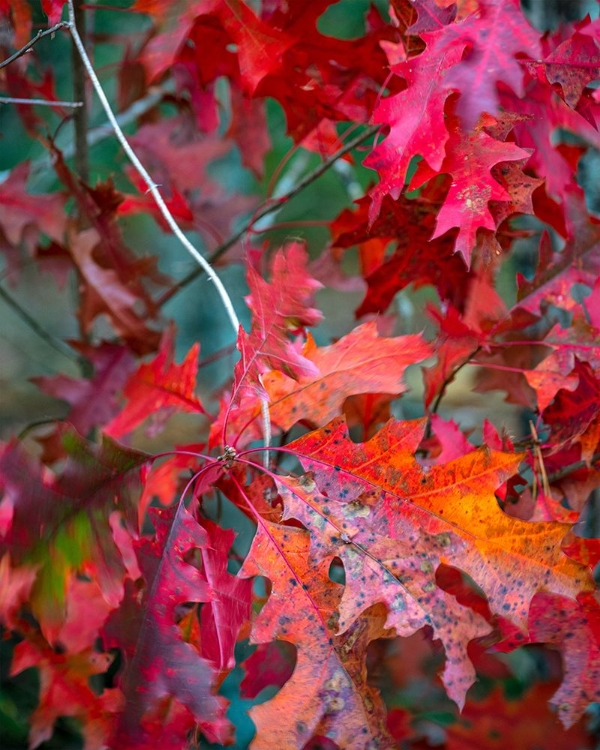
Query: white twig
{"type": "Point", "coordinates": [99, 133]}
{"type": "Point", "coordinates": [266, 424]}
{"type": "Point", "coordinates": [38, 102]}
{"type": "Point", "coordinates": [152, 188]}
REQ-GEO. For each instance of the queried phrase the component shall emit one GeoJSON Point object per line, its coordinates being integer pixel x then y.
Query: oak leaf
{"type": "Point", "coordinates": [279, 308]}
{"type": "Point", "coordinates": [361, 362]}
{"type": "Point", "coordinates": [378, 487]}
{"type": "Point", "coordinates": [469, 160]}
{"type": "Point", "coordinates": [574, 626]}
{"type": "Point", "coordinates": [93, 400]}
{"type": "Point", "coordinates": [494, 35]}
{"type": "Point", "coordinates": [65, 691]}
{"type": "Point", "coordinates": [157, 388]}
{"type": "Point", "coordinates": [60, 524]}
{"type": "Point", "coordinates": [328, 687]}
{"type": "Point", "coordinates": [159, 663]}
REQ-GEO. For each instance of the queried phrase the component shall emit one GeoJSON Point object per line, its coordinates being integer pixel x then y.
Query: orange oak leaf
{"type": "Point", "coordinates": [383, 567]}
{"type": "Point", "coordinates": [360, 363]}
{"type": "Point", "coordinates": [378, 488]}
{"type": "Point", "coordinates": [328, 688]}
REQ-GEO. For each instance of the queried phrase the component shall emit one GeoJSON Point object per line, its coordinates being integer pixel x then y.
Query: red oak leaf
{"type": "Point", "coordinates": [572, 411]}
{"type": "Point", "coordinates": [543, 113]}
{"type": "Point", "coordinates": [431, 16]}
{"type": "Point", "coordinates": [574, 626]}
{"type": "Point", "coordinates": [53, 9]}
{"type": "Point", "coordinates": [65, 691]}
{"type": "Point", "coordinates": [494, 35]}
{"type": "Point", "coordinates": [573, 65]}
{"type": "Point", "coordinates": [23, 216]}
{"type": "Point", "coordinates": [416, 120]}
{"type": "Point", "coordinates": [159, 663]}
{"type": "Point", "coordinates": [93, 401]}
{"type": "Point", "coordinates": [229, 608]}
{"type": "Point", "coordinates": [559, 272]}
{"type": "Point", "coordinates": [585, 551]}
{"type": "Point", "coordinates": [105, 293]}
{"type": "Point", "coordinates": [526, 723]}
{"type": "Point", "coordinates": [556, 371]}
{"type": "Point", "coordinates": [272, 664]}
{"type": "Point", "coordinates": [15, 587]}
{"type": "Point", "coordinates": [470, 158]}
{"type": "Point", "coordinates": [178, 160]}
{"type": "Point", "coordinates": [61, 524]}
{"type": "Point", "coordinates": [157, 388]}
{"type": "Point", "coordinates": [417, 259]}
{"type": "Point", "coordinates": [278, 308]}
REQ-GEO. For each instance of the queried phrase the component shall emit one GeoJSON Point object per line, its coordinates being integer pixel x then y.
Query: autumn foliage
{"type": "Point", "coordinates": [329, 558]}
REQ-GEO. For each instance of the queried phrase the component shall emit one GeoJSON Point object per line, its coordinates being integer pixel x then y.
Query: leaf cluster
{"type": "Point", "coordinates": [342, 545]}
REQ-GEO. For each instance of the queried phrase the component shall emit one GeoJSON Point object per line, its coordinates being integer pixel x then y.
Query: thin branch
{"type": "Point", "coordinates": [267, 431]}
{"type": "Point", "coordinates": [38, 102]}
{"type": "Point", "coordinates": [450, 378]}
{"type": "Point", "coordinates": [131, 114]}
{"type": "Point", "coordinates": [555, 476]}
{"type": "Point", "coordinates": [269, 208]}
{"type": "Point", "coordinates": [99, 133]}
{"type": "Point", "coordinates": [80, 119]}
{"type": "Point", "coordinates": [152, 187]}
{"type": "Point", "coordinates": [32, 323]}
{"type": "Point", "coordinates": [35, 40]}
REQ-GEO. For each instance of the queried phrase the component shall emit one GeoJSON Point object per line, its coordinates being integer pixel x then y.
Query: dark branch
{"type": "Point", "coordinates": [269, 208]}
{"type": "Point", "coordinates": [572, 468]}
{"type": "Point", "coordinates": [51, 340]}
{"type": "Point", "coordinates": [35, 40]}
{"type": "Point", "coordinates": [80, 119]}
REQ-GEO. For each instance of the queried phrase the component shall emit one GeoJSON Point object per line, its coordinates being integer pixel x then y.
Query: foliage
{"type": "Point", "coordinates": [328, 547]}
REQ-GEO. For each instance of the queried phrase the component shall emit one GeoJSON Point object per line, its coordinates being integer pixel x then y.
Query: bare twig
{"type": "Point", "coordinates": [38, 102]}
{"type": "Point", "coordinates": [152, 187]}
{"type": "Point", "coordinates": [80, 119]}
{"type": "Point", "coordinates": [32, 323]}
{"type": "Point", "coordinates": [556, 476]}
{"type": "Point", "coordinates": [35, 40]}
{"type": "Point", "coordinates": [131, 114]}
{"type": "Point", "coordinates": [438, 400]}
{"type": "Point", "coordinates": [269, 208]}
{"type": "Point", "coordinates": [267, 432]}
{"type": "Point", "coordinates": [99, 133]}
